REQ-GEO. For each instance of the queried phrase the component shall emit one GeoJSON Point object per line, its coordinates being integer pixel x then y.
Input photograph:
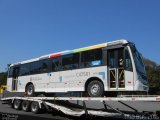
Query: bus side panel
{"type": "Point", "coordinates": [22, 82]}
{"type": "Point", "coordinates": [54, 83]}
{"type": "Point", "coordinates": [129, 81]}
{"type": "Point", "coordinates": [9, 84]}
{"type": "Point", "coordinates": [39, 81]}
{"type": "Point", "coordinates": [74, 80]}
{"type": "Point", "coordinates": [134, 69]}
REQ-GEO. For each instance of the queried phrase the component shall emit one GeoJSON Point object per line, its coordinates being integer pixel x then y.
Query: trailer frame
{"type": "Point", "coordinates": [48, 103]}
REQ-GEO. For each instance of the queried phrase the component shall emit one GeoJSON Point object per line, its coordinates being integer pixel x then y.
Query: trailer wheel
{"type": "Point", "coordinates": [35, 107]}
{"type": "Point", "coordinates": [17, 104]}
{"type": "Point", "coordinates": [95, 89]}
{"type": "Point", "coordinates": [30, 90]}
{"type": "Point", "coordinates": [25, 106]}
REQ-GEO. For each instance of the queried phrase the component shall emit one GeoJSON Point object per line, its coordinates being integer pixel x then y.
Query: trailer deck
{"type": "Point", "coordinates": [78, 106]}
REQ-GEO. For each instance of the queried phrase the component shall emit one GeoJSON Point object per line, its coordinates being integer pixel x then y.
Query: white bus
{"type": "Point", "coordinates": [109, 67]}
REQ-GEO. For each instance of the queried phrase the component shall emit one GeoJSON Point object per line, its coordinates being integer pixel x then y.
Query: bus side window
{"type": "Point", "coordinates": [56, 64]}
{"type": "Point", "coordinates": [91, 58]}
{"type": "Point", "coordinates": [35, 67]}
{"type": "Point", "coordinates": [16, 72]}
{"type": "Point", "coordinates": [24, 69]}
{"type": "Point", "coordinates": [10, 72]}
{"type": "Point", "coordinates": [128, 63]}
{"type": "Point", "coordinates": [44, 66]}
{"type": "Point", "coordinates": [70, 61]}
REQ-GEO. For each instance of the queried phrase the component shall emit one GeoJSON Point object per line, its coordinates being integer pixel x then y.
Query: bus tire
{"type": "Point", "coordinates": [17, 104]}
{"type": "Point", "coordinates": [35, 107]}
{"type": "Point", "coordinates": [30, 90]}
{"type": "Point", "coordinates": [95, 89]}
{"type": "Point", "coordinates": [26, 106]}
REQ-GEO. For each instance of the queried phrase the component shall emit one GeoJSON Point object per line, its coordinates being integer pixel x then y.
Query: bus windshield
{"type": "Point", "coordinates": [140, 68]}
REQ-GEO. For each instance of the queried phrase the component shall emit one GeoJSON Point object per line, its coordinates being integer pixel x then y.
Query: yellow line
{"type": "Point", "coordinates": [121, 73]}
{"type": "Point", "coordinates": [113, 75]}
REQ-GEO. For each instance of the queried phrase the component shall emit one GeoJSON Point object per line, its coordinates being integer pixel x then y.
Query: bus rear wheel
{"type": "Point", "coordinates": [95, 89]}
{"type": "Point", "coordinates": [30, 90]}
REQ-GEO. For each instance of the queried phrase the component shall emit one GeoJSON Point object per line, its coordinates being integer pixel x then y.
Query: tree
{"type": "Point", "coordinates": [3, 78]}
{"type": "Point", "coordinates": [153, 74]}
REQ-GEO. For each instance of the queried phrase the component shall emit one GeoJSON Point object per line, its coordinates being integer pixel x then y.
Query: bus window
{"type": "Point", "coordinates": [44, 68]}
{"type": "Point", "coordinates": [128, 63]}
{"type": "Point", "coordinates": [16, 72]}
{"type": "Point", "coordinates": [56, 64]}
{"type": "Point", "coordinates": [24, 69]}
{"type": "Point", "coordinates": [10, 72]}
{"type": "Point", "coordinates": [35, 67]}
{"type": "Point", "coordinates": [112, 59]}
{"type": "Point", "coordinates": [70, 61]}
{"type": "Point", "coordinates": [91, 58]}
{"type": "Point", "coordinates": [120, 58]}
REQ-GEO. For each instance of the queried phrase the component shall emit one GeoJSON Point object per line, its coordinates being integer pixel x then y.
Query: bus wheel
{"type": "Point", "coordinates": [17, 104]}
{"type": "Point", "coordinates": [25, 106]}
{"type": "Point", "coordinates": [35, 107]}
{"type": "Point", "coordinates": [30, 90]}
{"type": "Point", "coordinates": [95, 89]}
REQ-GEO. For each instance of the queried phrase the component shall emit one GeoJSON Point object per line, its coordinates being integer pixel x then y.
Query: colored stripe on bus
{"type": "Point", "coordinates": [77, 50]}
{"type": "Point", "coordinates": [89, 48]}
{"type": "Point", "coordinates": [66, 53]}
{"type": "Point", "coordinates": [55, 55]}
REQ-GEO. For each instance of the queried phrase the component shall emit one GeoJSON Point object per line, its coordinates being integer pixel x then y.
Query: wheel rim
{"type": "Point", "coordinates": [24, 106]}
{"type": "Point", "coordinates": [34, 107]}
{"type": "Point", "coordinates": [16, 104]}
{"type": "Point", "coordinates": [95, 89]}
{"type": "Point", "coordinates": [29, 91]}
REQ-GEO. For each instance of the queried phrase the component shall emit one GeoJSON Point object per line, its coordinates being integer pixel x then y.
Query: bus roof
{"type": "Point", "coordinates": [52, 55]}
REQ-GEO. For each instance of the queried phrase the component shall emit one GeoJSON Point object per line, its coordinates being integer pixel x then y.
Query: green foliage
{"type": "Point", "coordinates": [3, 78]}
{"type": "Point", "coordinates": [153, 74]}
{"type": "Point", "coordinates": [149, 63]}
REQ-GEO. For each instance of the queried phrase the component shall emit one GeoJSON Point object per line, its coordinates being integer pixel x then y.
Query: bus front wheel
{"type": "Point", "coordinates": [95, 89]}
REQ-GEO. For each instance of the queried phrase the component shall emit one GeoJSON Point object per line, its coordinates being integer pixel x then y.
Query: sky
{"type": "Point", "coordinates": [32, 28]}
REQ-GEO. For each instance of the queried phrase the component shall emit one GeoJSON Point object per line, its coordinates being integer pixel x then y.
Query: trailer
{"type": "Point", "coordinates": [79, 106]}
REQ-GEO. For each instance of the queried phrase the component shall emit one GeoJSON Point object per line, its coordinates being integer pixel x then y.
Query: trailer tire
{"type": "Point", "coordinates": [35, 107]}
{"type": "Point", "coordinates": [95, 89]}
{"type": "Point", "coordinates": [17, 104]}
{"type": "Point", "coordinates": [26, 106]}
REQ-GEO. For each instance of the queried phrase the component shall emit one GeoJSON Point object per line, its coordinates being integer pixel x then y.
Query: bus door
{"type": "Point", "coordinates": [15, 78]}
{"type": "Point", "coordinates": [129, 74]}
{"type": "Point", "coordinates": [116, 72]}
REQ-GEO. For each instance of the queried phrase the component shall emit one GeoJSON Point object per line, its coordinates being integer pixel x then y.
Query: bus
{"type": "Point", "coordinates": [96, 70]}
